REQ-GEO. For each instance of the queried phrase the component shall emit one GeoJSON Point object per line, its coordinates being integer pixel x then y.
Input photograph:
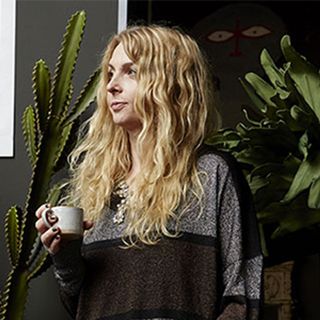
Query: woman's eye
{"type": "Point", "coordinates": [109, 76]}
{"type": "Point", "coordinates": [132, 72]}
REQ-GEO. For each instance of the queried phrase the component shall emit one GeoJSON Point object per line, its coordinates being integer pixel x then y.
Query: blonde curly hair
{"type": "Point", "coordinates": [173, 100]}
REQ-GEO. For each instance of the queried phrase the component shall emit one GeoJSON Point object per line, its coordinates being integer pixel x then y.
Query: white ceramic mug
{"type": "Point", "coordinates": [70, 221]}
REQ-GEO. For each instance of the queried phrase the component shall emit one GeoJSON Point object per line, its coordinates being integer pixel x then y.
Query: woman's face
{"type": "Point", "coordinates": [121, 90]}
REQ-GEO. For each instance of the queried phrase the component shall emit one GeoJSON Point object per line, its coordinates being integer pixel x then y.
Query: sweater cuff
{"type": "Point", "coordinates": [68, 255]}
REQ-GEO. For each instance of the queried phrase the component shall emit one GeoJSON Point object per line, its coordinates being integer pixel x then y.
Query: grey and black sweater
{"type": "Point", "coordinates": [211, 271]}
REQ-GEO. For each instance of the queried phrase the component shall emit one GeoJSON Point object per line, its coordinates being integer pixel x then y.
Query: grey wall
{"type": "Point", "coordinates": [40, 27]}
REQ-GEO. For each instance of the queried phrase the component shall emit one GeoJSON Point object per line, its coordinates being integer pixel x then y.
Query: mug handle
{"type": "Point", "coordinates": [44, 217]}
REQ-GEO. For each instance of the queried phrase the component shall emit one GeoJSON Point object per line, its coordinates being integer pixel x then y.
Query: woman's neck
{"type": "Point", "coordinates": [135, 158]}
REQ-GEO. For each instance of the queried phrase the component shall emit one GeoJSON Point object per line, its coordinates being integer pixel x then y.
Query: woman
{"type": "Point", "coordinates": [173, 237]}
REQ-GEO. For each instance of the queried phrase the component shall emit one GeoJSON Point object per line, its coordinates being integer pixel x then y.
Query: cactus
{"type": "Point", "coordinates": [49, 128]}
{"type": "Point", "coordinates": [279, 146]}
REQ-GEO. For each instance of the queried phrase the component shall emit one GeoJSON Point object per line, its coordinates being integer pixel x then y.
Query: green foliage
{"type": "Point", "coordinates": [29, 124]}
{"type": "Point", "coordinates": [279, 146]}
{"type": "Point", "coordinates": [47, 128]}
{"type": "Point", "coordinates": [12, 233]}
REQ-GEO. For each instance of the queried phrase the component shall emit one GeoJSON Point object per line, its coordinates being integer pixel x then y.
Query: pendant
{"type": "Point", "coordinates": [122, 192]}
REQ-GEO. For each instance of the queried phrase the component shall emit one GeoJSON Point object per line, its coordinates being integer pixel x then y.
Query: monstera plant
{"type": "Point", "coordinates": [278, 146]}
{"type": "Point", "coordinates": [49, 127]}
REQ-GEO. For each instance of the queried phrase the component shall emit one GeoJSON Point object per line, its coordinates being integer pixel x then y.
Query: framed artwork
{"type": "Point", "coordinates": [122, 14]}
{"type": "Point", "coordinates": [7, 71]}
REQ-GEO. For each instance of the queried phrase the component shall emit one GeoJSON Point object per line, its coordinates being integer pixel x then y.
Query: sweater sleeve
{"type": "Point", "coordinates": [69, 271]}
{"type": "Point", "coordinates": [240, 254]}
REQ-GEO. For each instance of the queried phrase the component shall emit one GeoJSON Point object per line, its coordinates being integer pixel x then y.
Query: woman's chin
{"type": "Point", "coordinates": [132, 126]}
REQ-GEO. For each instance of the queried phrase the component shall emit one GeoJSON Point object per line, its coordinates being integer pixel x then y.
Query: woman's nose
{"type": "Point", "coordinates": [114, 85]}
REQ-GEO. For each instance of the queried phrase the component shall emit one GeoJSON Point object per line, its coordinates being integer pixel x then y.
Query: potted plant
{"type": "Point", "coordinates": [49, 127]}
{"type": "Point", "coordinates": [278, 147]}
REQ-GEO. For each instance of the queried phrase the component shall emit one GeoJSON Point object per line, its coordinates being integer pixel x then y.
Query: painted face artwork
{"type": "Point", "coordinates": [234, 36]}
{"type": "Point", "coordinates": [122, 88]}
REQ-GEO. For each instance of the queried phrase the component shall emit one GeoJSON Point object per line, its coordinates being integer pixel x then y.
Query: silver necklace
{"type": "Point", "coordinates": [121, 190]}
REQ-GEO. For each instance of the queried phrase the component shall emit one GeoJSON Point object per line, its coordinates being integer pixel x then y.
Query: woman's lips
{"type": "Point", "coordinates": [118, 105]}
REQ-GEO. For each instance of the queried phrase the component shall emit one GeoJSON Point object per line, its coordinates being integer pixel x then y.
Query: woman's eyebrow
{"type": "Point", "coordinates": [124, 66]}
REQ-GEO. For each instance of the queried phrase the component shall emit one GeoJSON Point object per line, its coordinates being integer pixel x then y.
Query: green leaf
{"type": "Point", "coordinates": [308, 171]}
{"type": "Point", "coordinates": [257, 182]}
{"type": "Point", "coordinates": [314, 195]}
{"type": "Point", "coordinates": [67, 103]}
{"type": "Point", "coordinates": [12, 233]}
{"type": "Point", "coordinates": [270, 181]}
{"type": "Point", "coordinates": [55, 192]}
{"type": "Point", "coordinates": [66, 63]}
{"type": "Point", "coordinates": [272, 213]}
{"type": "Point", "coordinates": [5, 295]}
{"type": "Point", "coordinates": [296, 217]}
{"type": "Point", "coordinates": [251, 121]}
{"type": "Point", "coordinates": [257, 155]}
{"type": "Point", "coordinates": [264, 249]}
{"type": "Point", "coordinates": [41, 90]}
{"type": "Point", "coordinates": [41, 265]}
{"type": "Point", "coordinates": [304, 145]}
{"type": "Point", "coordinates": [275, 75]}
{"type": "Point", "coordinates": [262, 88]}
{"type": "Point", "coordinates": [267, 168]}
{"type": "Point", "coordinates": [14, 299]}
{"type": "Point", "coordinates": [304, 74]}
{"type": "Point", "coordinates": [63, 139]}
{"type": "Point", "coordinates": [226, 139]}
{"type": "Point", "coordinates": [295, 97]}
{"type": "Point", "coordinates": [30, 134]}
{"type": "Point", "coordinates": [285, 115]}
{"type": "Point", "coordinates": [87, 96]}
{"type": "Point", "coordinates": [265, 137]}
{"type": "Point", "coordinates": [303, 118]}
{"type": "Point", "coordinates": [258, 102]}
{"type": "Point", "coordinates": [273, 192]}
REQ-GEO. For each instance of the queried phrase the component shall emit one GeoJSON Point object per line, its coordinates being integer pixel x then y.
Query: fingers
{"type": "Point", "coordinates": [55, 245]}
{"type": "Point", "coordinates": [51, 240]}
{"type": "Point", "coordinates": [41, 209]}
{"type": "Point", "coordinates": [40, 224]}
{"type": "Point", "coordinates": [50, 237]}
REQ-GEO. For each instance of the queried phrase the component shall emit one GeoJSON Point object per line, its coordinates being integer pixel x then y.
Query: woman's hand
{"type": "Point", "coordinates": [50, 237]}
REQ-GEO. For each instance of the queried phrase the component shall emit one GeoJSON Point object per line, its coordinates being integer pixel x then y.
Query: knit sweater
{"type": "Point", "coordinates": [212, 270]}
